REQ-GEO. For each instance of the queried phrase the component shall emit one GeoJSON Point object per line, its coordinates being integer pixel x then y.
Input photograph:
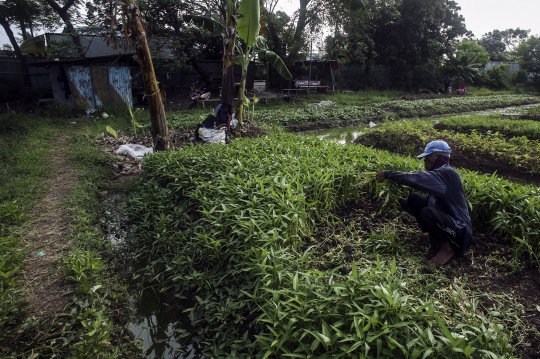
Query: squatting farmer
{"type": "Point", "coordinates": [443, 213]}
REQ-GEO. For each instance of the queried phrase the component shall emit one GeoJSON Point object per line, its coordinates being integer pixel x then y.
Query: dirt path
{"type": "Point", "coordinates": [49, 230]}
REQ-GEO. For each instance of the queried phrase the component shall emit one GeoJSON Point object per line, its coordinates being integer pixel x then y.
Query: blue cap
{"type": "Point", "coordinates": [435, 146]}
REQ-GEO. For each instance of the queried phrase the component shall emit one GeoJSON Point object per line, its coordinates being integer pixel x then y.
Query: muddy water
{"type": "Point", "coordinates": [346, 135]}
{"type": "Point", "coordinates": [156, 323]}
{"type": "Point", "coordinates": [156, 320]}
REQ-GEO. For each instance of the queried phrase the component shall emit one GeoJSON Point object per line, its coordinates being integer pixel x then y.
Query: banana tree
{"type": "Point", "coordinates": [155, 93]}
{"type": "Point", "coordinates": [248, 29]}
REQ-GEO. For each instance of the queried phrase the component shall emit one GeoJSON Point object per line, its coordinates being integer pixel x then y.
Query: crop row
{"type": "Point", "coordinates": [390, 109]}
{"type": "Point", "coordinates": [506, 127]}
{"type": "Point", "coordinates": [337, 116]}
{"type": "Point", "coordinates": [409, 137]}
{"type": "Point", "coordinates": [227, 226]}
{"type": "Point", "coordinates": [532, 113]}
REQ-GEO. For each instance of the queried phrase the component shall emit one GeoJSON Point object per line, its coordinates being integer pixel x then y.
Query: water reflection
{"type": "Point", "coordinates": [113, 218]}
{"type": "Point", "coordinates": [346, 135]}
{"type": "Point", "coordinates": [156, 322]}
{"type": "Point", "coordinates": [340, 135]}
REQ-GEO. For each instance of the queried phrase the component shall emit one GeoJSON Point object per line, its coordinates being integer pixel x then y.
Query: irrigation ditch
{"type": "Point", "coordinates": [220, 277]}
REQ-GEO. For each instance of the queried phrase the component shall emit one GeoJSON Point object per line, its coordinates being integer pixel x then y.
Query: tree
{"type": "Point", "coordinates": [528, 53]}
{"type": "Point", "coordinates": [410, 33]}
{"type": "Point", "coordinates": [466, 62]}
{"type": "Point", "coordinates": [500, 44]}
{"type": "Point", "coordinates": [65, 14]}
{"type": "Point", "coordinates": [248, 29]}
{"type": "Point", "coordinates": [280, 33]}
{"type": "Point", "coordinates": [11, 13]}
{"type": "Point", "coordinates": [350, 40]}
{"type": "Point", "coordinates": [136, 35]}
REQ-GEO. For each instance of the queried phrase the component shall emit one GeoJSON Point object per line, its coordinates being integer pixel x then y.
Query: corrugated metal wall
{"type": "Point", "coordinates": [185, 79]}
{"type": "Point", "coordinates": [120, 86]}
{"type": "Point", "coordinates": [513, 66]}
{"type": "Point", "coordinates": [10, 70]}
{"type": "Point", "coordinates": [92, 86]}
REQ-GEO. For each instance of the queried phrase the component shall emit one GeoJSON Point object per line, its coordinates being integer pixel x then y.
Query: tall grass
{"type": "Point", "coordinates": [85, 329]}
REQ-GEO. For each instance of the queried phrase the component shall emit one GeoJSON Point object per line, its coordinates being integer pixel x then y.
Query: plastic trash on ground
{"type": "Point", "coordinates": [90, 111]}
{"type": "Point", "coordinates": [372, 124]}
{"type": "Point", "coordinates": [134, 150]}
{"type": "Point", "coordinates": [209, 135]}
{"type": "Point", "coordinates": [234, 121]}
{"type": "Point", "coordinates": [322, 103]}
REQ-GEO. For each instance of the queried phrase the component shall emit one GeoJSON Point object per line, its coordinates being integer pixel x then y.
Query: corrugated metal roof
{"type": "Point", "coordinates": [96, 45]}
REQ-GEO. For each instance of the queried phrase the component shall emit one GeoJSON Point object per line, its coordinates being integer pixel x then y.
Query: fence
{"type": "Point", "coordinates": [512, 66]}
{"type": "Point", "coordinates": [40, 76]}
{"type": "Point", "coordinates": [11, 71]}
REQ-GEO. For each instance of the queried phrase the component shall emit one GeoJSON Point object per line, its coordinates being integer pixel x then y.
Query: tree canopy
{"type": "Point", "coordinates": [500, 44]}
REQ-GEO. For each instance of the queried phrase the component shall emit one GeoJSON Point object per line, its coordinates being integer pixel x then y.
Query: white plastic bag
{"type": "Point", "coordinates": [134, 150]}
{"type": "Point", "coordinates": [209, 135]}
{"type": "Point", "coordinates": [234, 121]}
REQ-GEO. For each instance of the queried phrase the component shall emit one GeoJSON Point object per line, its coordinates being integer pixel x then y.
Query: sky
{"type": "Point", "coordinates": [481, 16]}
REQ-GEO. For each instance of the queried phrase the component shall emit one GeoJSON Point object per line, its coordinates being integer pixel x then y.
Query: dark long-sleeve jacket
{"type": "Point", "coordinates": [445, 193]}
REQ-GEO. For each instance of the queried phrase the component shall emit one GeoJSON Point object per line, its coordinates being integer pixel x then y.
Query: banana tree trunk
{"type": "Point", "coordinates": [137, 37]}
{"type": "Point", "coordinates": [229, 37]}
{"type": "Point", "coordinates": [241, 96]}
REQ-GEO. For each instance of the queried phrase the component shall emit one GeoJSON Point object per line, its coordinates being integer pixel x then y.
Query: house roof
{"type": "Point", "coordinates": [93, 45]}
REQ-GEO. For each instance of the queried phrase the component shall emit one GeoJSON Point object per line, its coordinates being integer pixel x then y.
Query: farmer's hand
{"type": "Point", "coordinates": [380, 176]}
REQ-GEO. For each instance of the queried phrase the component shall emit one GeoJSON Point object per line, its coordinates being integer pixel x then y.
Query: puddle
{"type": "Point", "coordinates": [346, 135]}
{"type": "Point", "coordinates": [156, 323]}
{"type": "Point", "coordinates": [156, 319]}
{"type": "Point", "coordinates": [113, 219]}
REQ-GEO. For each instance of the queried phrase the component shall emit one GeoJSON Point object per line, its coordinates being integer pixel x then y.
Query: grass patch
{"type": "Point", "coordinates": [25, 149]}
{"type": "Point", "coordinates": [86, 329]}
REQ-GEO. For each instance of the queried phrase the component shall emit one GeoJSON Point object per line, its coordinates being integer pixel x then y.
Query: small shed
{"type": "Point", "coordinates": [90, 85]}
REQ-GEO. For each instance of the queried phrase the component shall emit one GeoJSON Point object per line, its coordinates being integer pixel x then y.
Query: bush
{"type": "Point", "coordinates": [496, 78]}
{"type": "Point", "coordinates": [519, 77]}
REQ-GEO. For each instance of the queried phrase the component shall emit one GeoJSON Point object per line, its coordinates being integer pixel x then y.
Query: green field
{"type": "Point", "coordinates": [282, 245]}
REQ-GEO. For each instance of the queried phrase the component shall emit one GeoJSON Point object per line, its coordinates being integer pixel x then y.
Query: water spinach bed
{"type": "Point", "coordinates": [287, 247]}
{"type": "Point", "coordinates": [304, 116]}
{"type": "Point", "coordinates": [277, 246]}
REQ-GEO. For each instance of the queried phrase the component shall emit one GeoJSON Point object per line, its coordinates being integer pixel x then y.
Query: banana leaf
{"type": "Point", "coordinates": [214, 27]}
{"type": "Point", "coordinates": [248, 25]}
{"type": "Point", "coordinates": [273, 59]}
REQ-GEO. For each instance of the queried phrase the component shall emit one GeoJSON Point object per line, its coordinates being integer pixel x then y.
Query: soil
{"type": "Point", "coordinates": [48, 233]}
{"type": "Point", "coordinates": [486, 270]}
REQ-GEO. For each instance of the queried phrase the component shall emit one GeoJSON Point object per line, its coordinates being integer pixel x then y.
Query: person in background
{"type": "Point", "coordinates": [448, 85]}
{"type": "Point", "coordinates": [227, 97]}
{"type": "Point", "coordinates": [443, 213]}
